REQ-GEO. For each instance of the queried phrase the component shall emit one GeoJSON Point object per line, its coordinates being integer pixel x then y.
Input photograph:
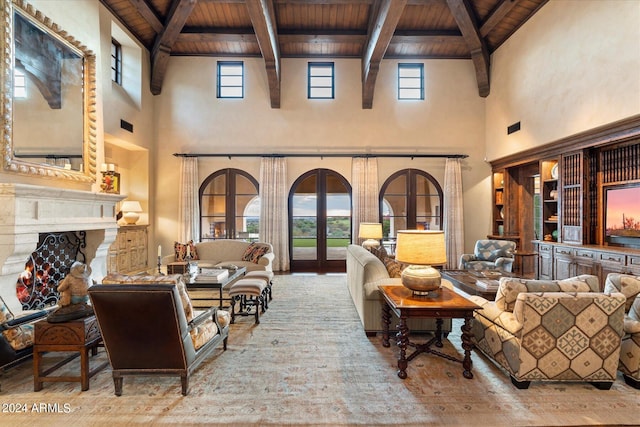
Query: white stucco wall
{"type": "Point", "coordinates": [189, 119]}
{"type": "Point", "coordinates": [574, 66]}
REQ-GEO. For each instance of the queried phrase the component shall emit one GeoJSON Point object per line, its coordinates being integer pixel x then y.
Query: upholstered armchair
{"type": "Point", "coordinates": [548, 330]}
{"type": "Point", "coordinates": [489, 255]}
{"type": "Point", "coordinates": [630, 348]}
{"type": "Point", "coordinates": [150, 330]}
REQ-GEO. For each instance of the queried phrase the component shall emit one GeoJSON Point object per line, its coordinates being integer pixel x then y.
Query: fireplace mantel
{"type": "Point", "coordinates": [28, 210]}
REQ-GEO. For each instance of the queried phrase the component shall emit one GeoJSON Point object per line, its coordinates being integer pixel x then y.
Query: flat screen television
{"type": "Point", "coordinates": [622, 215]}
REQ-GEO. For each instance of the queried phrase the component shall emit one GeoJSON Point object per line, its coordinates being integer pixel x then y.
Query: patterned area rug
{"type": "Point", "coordinates": [310, 363]}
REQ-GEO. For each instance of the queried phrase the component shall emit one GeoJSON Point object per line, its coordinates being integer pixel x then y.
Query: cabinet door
{"type": "Point", "coordinates": [585, 262]}
{"type": "Point", "coordinates": [563, 263]}
{"type": "Point", "coordinates": [633, 265]}
{"type": "Point", "coordinates": [545, 262]}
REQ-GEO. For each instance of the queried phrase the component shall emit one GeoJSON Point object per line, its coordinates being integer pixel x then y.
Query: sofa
{"type": "Point", "coordinates": [365, 272]}
{"type": "Point", "coordinates": [214, 253]}
{"type": "Point", "coordinates": [489, 254]}
{"type": "Point", "coordinates": [552, 330]}
{"type": "Point", "coordinates": [630, 348]}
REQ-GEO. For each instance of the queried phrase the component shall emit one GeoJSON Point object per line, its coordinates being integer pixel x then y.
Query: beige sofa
{"type": "Point", "coordinates": [365, 272]}
{"type": "Point", "coordinates": [552, 330]}
{"type": "Point", "coordinates": [225, 252]}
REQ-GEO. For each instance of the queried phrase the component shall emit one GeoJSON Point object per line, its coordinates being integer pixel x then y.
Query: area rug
{"type": "Point", "coordinates": [309, 363]}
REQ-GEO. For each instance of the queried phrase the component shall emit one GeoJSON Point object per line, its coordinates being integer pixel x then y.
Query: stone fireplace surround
{"type": "Point", "coordinates": [28, 210]}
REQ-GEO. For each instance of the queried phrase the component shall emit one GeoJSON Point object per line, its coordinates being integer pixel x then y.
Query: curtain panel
{"type": "Point", "coordinates": [188, 213]}
{"type": "Point", "coordinates": [364, 177]}
{"type": "Point", "coordinates": [453, 212]}
{"type": "Point", "coordinates": [274, 215]}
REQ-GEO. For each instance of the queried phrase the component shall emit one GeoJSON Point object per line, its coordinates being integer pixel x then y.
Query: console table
{"type": "Point", "coordinates": [79, 336]}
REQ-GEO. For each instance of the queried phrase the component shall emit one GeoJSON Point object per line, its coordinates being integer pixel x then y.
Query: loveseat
{"type": "Point", "coordinates": [212, 253]}
{"type": "Point", "coordinates": [556, 330]}
{"type": "Point", "coordinates": [365, 272]}
{"type": "Point", "coordinates": [630, 347]}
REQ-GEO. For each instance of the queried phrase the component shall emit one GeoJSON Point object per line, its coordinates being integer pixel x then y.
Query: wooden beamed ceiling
{"type": "Point", "coordinates": [371, 30]}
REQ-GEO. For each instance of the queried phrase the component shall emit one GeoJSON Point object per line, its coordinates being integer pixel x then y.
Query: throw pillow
{"type": "Point", "coordinates": [380, 252]}
{"type": "Point", "coordinates": [498, 253]}
{"type": "Point", "coordinates": [254, 252]}
{"type": "Point", "coordinates": [394, 268]}
{"type": "Point", "coordinates": [181, 250]}
{"type": "Point", "coordinates": [5, 313]}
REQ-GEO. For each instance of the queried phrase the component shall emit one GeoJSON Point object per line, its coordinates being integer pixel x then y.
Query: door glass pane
{"type": "Point", "coordinates": [304, 220]}
{"type": "Point", "coordinates": [247, 218]}
{"type": "Point", "coordinates": [244, 185]}
{"type": "Point", "coordinates": [213, 227]}
{"type": "Point", "coordinates": [338, 216]}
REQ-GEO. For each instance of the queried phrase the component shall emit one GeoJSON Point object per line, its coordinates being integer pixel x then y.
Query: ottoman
{"type": "Point", "coordinates": [267, 276]}
{"type": "Point", "coordinates": [249, 293]}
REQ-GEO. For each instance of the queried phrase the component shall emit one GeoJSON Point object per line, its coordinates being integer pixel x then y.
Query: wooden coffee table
{"type": "Point", "coordinates": [440, 304]}
{"type": "Point", "coordinates": [200, 291]}
{"type": "Point", "coordinates": [466, 280]}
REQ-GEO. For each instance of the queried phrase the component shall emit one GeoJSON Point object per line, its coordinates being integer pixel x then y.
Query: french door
{"type": "Point", "coordinates": [319, 221]}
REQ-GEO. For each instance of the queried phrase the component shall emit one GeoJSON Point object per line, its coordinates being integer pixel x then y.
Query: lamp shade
{"type": "Point", "coordinates": [370, 230]}
{"type": "Point", "coordinates": [421, 247]}
{"type": "Point", "coordinates": [131, 209]}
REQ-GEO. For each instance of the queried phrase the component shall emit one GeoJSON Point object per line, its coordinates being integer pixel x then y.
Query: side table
{"type": "Point", "coordinates": [78, 336]}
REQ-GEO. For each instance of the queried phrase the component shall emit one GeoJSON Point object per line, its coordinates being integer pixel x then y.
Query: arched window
{"type": "Point", "coordinates": [410, 199]}
{"type": "Point", "coordinates": [229, 206]}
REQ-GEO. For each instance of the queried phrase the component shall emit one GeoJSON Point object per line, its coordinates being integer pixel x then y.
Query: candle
{"type": "Point", "coordinates": [159, 250]}
{"type": "Point", "coordinates": [188, 251]}
{"type": "Point", "coordinates": [103, 168]}
{"type": "Point", "coordinates": [112, 167]}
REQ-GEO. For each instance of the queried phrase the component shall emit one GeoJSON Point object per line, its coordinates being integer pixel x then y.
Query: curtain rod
{"type": "Point", "coordinates": [416, 155]}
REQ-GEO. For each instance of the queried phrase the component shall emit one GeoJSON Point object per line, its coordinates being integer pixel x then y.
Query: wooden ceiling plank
{"type": "Point", "coordinates": [381, 30]}
{"type": "Point", "coordinates": [496, 16]}
{"type": "Point", "coordinates": [176, 18]}
{"type": "Point", "coordinates": [463, 14]}
{"type": "Point", "coordinates": [262, 17]}
{"type": "Point", "coordinates": [148, 14]}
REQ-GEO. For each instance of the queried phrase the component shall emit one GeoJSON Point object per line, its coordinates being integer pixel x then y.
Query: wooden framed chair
{"type": "Point", "coordinates": [146, 331]}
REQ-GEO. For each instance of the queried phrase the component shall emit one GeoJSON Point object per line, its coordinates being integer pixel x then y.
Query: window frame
{"type": "Point", "coordinates": [310, 78]}
{"type": "Point", "coordinates": [219, 75]}
{"type": "Point", "coordinates": [116, 61]}
{"type": "Point", "coordinates": [401, 79]}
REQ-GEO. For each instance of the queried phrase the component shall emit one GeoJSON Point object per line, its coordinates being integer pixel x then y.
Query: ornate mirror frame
{"type": "Point", "coordinates": [9, 162]}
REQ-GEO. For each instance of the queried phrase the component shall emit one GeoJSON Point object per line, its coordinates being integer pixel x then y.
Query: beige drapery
{"type": "Point", "coordinates": [274, 223]}
{"type": "Point", "coordinates": [453, 212]}
{"type": "Point", "coordinates": [188, 214]}
{"type": "Point", "coordinates": [364, 177]}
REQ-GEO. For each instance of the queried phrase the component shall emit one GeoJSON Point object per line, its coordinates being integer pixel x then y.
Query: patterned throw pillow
{"type": "Point", "coordinates": [394, 268]}
{"type": "Point", "coordinates": [254, 252]}
{"type": "Point", "coordinates": [19, 337]}
{"type": "Point", "coordinates": [5, 313]}
{"type": "Point", "coordinates": [181, 250]}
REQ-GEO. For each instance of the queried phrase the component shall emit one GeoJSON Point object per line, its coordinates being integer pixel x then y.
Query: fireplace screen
{"type": "Point", "coordinates": [37, 286]}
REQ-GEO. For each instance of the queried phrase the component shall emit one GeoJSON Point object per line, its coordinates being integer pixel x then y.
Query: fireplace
{"type": "Point", "coordinates": [27, 211]}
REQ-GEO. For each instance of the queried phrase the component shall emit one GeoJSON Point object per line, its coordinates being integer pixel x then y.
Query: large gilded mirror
{"type": "Point", "coordinates": [48, 98]}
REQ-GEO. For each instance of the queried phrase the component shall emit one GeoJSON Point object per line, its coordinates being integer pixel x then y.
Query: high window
{"type": "Point", "coordinates": [321, 80]}
{"type": "Point", "coordinates": [410, 199]}
{"type": "Point", "coordinates": [229, 206]}
{"type": "Point", "coordinates": [411, 81]}
{"type": "Point", "coordinates": [230, 79]}
{"type": "Point", "coordinates": [116, 61]}
{"type": "Point", "coordinates": [19, 84]}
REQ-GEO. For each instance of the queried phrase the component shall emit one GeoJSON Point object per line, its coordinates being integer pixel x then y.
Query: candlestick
{"type": "Point", "coordinates": [160, 265]}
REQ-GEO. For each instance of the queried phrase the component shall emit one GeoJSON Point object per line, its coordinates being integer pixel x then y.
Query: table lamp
{"type": "Point", "coordinates": [372, 232]}
{"type": "Point", "coordinates": [421, 249]}
{"type": "Point", "coordinates": [131, 209]}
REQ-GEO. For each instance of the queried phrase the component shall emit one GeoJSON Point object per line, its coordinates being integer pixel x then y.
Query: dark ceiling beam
{"type": "Point", "coordinates": [262, 16]}
{"type": "Point", "coordinates": [463, 14]}
{"type": "Point", "coordinates": [148, 14]}
{"type": "Point", "coordinates": [496, 15]}
{"type": "Point", "coordinates": [176, 18]}
{"type": "Point", "coordinates": [383, 24]}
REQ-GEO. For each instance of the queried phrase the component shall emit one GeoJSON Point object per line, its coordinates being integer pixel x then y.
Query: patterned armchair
{"type": "Point", "coordinates": [489, 255]}
{"type": "Point", "coordinates": [630, 349]}
{"type": "Point", "coordinates": [562, 330]}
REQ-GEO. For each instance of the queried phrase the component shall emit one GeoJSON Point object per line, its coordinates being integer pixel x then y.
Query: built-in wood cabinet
{"type": "Point", "coordinates": [129, 253]}
{"type": "Point", "coordinates": [557, 261]}
{"type": "Point", "coordinates": [498, 203]}
{"type": "Point", "coordinates": [550, 203]}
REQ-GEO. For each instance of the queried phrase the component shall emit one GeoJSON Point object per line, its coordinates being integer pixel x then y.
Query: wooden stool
{"type": "Point", "coordinates": [265, 275]}
{"type": "Point", "coordinates": [249, 293]}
